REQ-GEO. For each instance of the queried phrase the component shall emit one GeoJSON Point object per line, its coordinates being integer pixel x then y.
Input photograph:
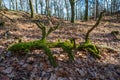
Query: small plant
{"type": "Point", "coordinates": [2, 23]}
{"type": "Point", "coordinates": [115, 32]}
{"type": "Point", "coordinates": [67, 46]}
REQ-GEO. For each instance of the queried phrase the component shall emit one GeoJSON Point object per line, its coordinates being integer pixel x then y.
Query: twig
{"type": "Point", "coordinates": [96, 24]}
{"type": "Point", "coordinates": [7, 17]}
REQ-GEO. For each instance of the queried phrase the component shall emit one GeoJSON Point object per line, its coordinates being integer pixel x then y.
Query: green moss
{"type": "Point", "coordinates": [50, 56]}
{"type": "Point", "coordinates": [38, 44]}
{"type": "Point", "coordinates": [67, 47]}
{"type": "Point", "coordinates": [27, 50]}
{"type": "Point", "coordinates": [22, 46]}
{"type": "Point", "coordinates": [91, 48]}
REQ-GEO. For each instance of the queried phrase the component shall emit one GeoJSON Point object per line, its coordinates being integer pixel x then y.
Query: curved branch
{"type": "Point", "coordinates": [7, 17]}
{"type": "Point", "coordinates": [96, 24]}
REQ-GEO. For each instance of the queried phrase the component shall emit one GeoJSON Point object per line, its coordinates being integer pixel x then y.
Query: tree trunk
{"type": "Point", "coordinates": [72, 3]}
{"type": "Point", "coordinates": [96, 9]}
{"type": "Point", "coordinates": [41, 4]}
{"type": "Point", "coordinates": [31, 8]}
{"type": "Point", "coordinates": [0, 4]}
{"type": "Point", "coordinates": [16, 5]}
{"type": "Point", "coordinates": [48, 13]}
{"type": "Point", "coordinates": [21, 5]}
{"type": "Point", "coordinates": [13, 4]}
{"type": "Point", "coordinates": [36, 6]}
{"type": "Point", "coordinates": [67, 10]}
{"type": "Point", "coordinates": [86, 10]}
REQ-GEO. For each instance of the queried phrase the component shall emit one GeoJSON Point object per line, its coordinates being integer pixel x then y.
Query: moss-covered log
{"type": "Point", "coordinates": [67, 46]}
{"type": "Point", "coordinates": [50, 56]}
{"type": "Point", "coordinates": [27, 46]}
{"type": "Point", "coordinates": [22, 46]}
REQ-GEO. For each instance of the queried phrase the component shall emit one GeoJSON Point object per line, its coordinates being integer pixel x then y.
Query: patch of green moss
{"type": "Point", "coordinates": [91, 48]}
{"type": "Point", "coordinates": [22, 46]}
{"type": "Point", "coordinates": [50, 56]}
{"type": "Point", "coordinates": [67, 46]}
{"type": "Point", "coordinates": [38, 44]}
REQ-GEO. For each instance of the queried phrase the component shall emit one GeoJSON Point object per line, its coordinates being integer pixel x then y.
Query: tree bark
{"type": "Point", "coordinates": [86, 11]}
{"type": "Point", "coordinates": [41, 4]}
{"type": "Point", "coordinates": [0, 4]}
{"type": "Point", "coordinates": [72, 3]}
{"type": "Point", "coordinates": [48, 13]}
{"type": "Point", "coordinates": [21, 5]}
{"type": "Point", "coordinates": [36, 6]}
{"type": "Point", "coordinates": [31, 8]}
{"type": "Point", "coordinates": [67, 10]}
{"type": "Point", "coordinates": [16, 5]}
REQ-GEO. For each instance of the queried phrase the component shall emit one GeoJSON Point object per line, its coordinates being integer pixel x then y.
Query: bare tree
{"type": "Point", "coordinates": [41, 5]}
{"type": "Point", "coordinates": [16, 4]}
{"type": "Point", "coordinates": [67, 6]}
{"type": "Point", "coordinates": [96, 11]}
{"type": "Point", "coordinates": [47, 11]}
{"type": "Point", "coordinates": [72, 3]}
{"type": "Point", "coordinates": [21, 4]}
{"type": "Point", "coordinates": [86, 10]}
{"type": "Point", "coordinates": [31, 8]}
{"type": "Point", "coordinates": [0, 4]}
{"type": "Point", "coordinates": [36, 6]}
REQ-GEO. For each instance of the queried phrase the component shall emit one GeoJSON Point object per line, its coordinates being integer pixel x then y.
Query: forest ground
{"type": "Point", "coordinates": [38, 67]}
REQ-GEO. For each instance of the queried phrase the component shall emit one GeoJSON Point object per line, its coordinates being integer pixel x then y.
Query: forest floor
{"type": "Point", "coordinates": [38, 67]}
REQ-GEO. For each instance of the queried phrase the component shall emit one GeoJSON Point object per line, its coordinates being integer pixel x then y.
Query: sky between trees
{"type": "Point", "coordinates": [62, 8]}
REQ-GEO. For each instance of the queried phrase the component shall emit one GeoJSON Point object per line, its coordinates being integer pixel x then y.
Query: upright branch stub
{"type": "Point", "coordinates": [94, 26]}
{"type": "Point", "coordinates": [45, 33]}
{"type": "Point", "coordinates": [43, 28]}
{"type": "Point", "coordinates": [52, 29]}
